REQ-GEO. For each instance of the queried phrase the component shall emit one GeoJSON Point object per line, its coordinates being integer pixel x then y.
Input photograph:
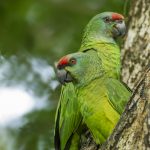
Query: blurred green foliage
{"type": "Point", "coordinates": [40, 31]}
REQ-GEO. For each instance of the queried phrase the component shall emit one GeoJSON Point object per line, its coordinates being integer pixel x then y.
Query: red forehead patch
{"type": "Point", "coordinates": [116, 16]}
{"type": "Point", "coordinates": [63, 61]}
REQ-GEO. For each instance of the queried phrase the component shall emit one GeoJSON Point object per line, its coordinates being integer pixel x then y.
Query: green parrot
{"type": "Point", "coordinates": [101, 99]}
{"type": "Point", "coordinates": [99, 35]}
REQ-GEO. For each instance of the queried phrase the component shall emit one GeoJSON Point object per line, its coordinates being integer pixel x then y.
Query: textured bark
{"type": "Point", "coordinates": [133, 129]}
{"type": "Point", "coordinates": [136, 52]}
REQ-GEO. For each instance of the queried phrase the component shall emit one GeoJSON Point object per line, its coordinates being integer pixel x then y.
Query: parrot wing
{"type": "Point", "coordinates": [118, 94]}
{"type": "Point", "coordinates": [68, 117]}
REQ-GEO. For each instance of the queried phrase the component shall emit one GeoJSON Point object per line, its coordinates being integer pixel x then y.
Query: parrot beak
{"type": "Point", "coordinates": [119, 29]}
{"type": "Point", "coordinates": [63, 76]}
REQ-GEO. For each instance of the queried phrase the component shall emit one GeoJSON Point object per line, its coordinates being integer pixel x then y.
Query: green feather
{"type": "Point", "coordinates": [98, 37]}
{"type": "Point", "coordinates": [102, 101]}
{"type": "Point", "coordinates": [69, 118]}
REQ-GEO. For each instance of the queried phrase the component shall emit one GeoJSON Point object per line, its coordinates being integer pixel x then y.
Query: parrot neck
{"type": "Point", "coordinates": [86, 81]}
{"type": "Point", "coordinates": [106, 51]}
{"type": "Point", "coordinates": [92, 83]}
{"type": "Point", "coordinates": [96, 36]}
{"type": "Point", "coordinates": [90, 41]}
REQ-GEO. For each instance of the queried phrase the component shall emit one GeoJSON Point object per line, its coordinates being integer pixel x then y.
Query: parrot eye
{"type": "Point", "coordinates": [72, 61]}
{"type": "Point", "coordinates": [107, 19]}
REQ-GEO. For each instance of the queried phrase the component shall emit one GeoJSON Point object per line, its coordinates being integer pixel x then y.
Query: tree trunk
{"type": "Point", "coordinates": [133, 129]}
{"type": "Point", "coordinates": [136, 51]}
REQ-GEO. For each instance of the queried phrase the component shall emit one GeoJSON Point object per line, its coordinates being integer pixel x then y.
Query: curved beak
{"type": "Point", "coordinates": [63, 76]}
{"type": "Point", "coordinates": [119, 28]}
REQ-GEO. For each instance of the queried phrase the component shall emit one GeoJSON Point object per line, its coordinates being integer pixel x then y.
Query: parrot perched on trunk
{"type": "Point", "coordinates": [101, 98]}
{"type": "Point", "coordinates": [99, 35]}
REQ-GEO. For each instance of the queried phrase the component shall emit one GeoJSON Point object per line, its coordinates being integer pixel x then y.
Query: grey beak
{"type": "Point", "coordinates": [119, 29]}
{"type": "Point", "coordinates": [63, 76]}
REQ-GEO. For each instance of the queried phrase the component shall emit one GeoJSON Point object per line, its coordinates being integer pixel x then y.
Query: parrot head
{"type": "Point", "coordinates": [105, 26]}
{"type": "Point", "coordinates": [79, 68]}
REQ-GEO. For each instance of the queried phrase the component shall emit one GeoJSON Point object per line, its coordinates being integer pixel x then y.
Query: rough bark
{"type": "Point", "coordinates": [133, 128]}
{"type": "Point", "coordinates": [136, 51]}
